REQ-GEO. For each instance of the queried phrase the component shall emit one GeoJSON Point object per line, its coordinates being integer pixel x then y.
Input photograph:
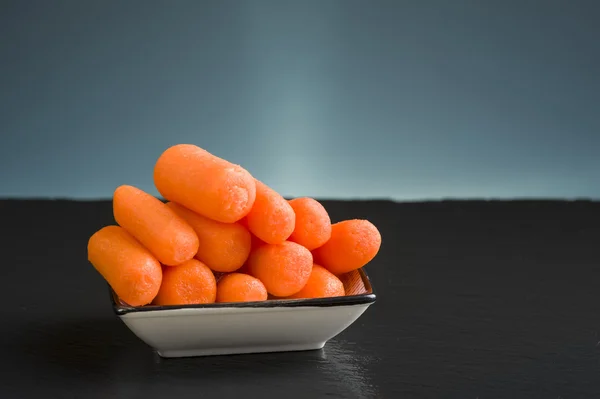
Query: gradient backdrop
{"type": "Point", "coordinates": [417, 99]}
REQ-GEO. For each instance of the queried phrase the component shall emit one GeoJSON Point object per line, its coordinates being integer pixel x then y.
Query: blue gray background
{"type": "Point", "coordinates": [418, 99]}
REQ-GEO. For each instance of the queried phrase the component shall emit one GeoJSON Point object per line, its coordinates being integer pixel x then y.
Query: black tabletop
{"type": "Point", "coordinates": [475, 300]}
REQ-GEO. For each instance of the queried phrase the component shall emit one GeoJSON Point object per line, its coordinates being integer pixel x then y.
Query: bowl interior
{"type": "Point", "coordinates": [356, 284]}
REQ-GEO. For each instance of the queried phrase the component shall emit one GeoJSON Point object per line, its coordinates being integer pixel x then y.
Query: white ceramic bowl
{"type": "Point", "coordinates": [249, 327]}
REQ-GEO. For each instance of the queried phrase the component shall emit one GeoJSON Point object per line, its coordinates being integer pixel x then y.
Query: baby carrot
{"type": "Point", "coordinates": [129, 268]}
{"type": "Point", "coordinates": [224, 247]}
{"type": "Point", "coordinates": [254, 239]}
{"type": "Point", "coordinates": [238, 287]}
{"type": "Point", "coordinates": [155, 225]}
{"type": "Point", "coordinates": [321, 284]}
{"type": "Point", "coordinates": [189, 283]}
{"type": "Point", "coordinates": [313, 225]}
{"type": "Point", "coordinates": [353, 244]}
{"type": "Point", "coordinates": [283, 268]}
{"type": "Point", "coordinates": [204, 183]}
{"type": "Point", "coordinates": [271, 219]}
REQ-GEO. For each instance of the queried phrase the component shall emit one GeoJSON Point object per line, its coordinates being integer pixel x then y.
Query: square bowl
{"type": "Point", "coordinates": [277, 325]}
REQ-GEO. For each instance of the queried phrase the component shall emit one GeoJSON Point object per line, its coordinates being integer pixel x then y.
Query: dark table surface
{"type": "Point", "coordinates": [475, 300]}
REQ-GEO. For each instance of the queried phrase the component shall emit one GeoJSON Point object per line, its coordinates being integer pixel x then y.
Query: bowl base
{"type": "Point", "coordinates": [240, 350]}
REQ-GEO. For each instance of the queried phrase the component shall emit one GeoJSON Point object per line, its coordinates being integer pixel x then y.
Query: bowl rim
{"type": "Point", "coordinates": [361, 299]}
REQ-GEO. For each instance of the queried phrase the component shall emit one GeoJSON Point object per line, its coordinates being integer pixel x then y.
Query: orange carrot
{"type": "Point", "coordinates": [313, 226]}
{"type": "Point", "coordinates": [321, 284]}
{"type": "Point", "coordinates": [271, 219]}
{"type": "Point", "coordinates": [189, 283]}
{"type": "Point", "coordinates": [283, 268]}
{"type": "Point", "coordinates": [155, 225]}
{"type": "Point", "coordinates": [204, 183]}
{"type": "Point", "coordinates": [238, 287]}
{"type": "Point", "coordinates": [256, 242]}
{"type": "Point", "coordinates": [353, 244]}
{"type": "Point", "coordinates": [130, 269]}
{"type": "Point", "coordinates": [224, 247]}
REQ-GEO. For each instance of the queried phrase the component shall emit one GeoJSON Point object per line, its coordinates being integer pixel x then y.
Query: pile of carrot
{"type": "Point", "coordinates": [223, 236]}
